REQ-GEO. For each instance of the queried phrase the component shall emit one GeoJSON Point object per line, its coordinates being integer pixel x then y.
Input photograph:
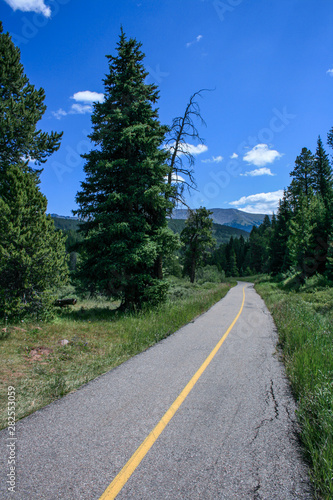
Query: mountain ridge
{"type": "Point", "coordinates": [231, 217]}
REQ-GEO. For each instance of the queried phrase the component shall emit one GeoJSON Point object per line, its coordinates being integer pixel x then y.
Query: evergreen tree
{"type": "Point", "coordinates": [265, 225]}
{"type": "Point", "coordinates": [232, 249]}
{"type": "Point", "coordinates": [197, 238]}
{"type": "Point", "coordinates": [259, 246]}
{"type": "Point", "coordinates": [305, 253]}
{"type": "Point", "coordinates": [279, 252]}
{"type": "Point", "coordinates": [323, 175]}
{"type": "Point", "coordinates": [125, 198]}
{"type": "Point", "coordinates": [312, 185]}
{"type": "Point", "coordinates": [247, 271]}
{"type": "Point", "coordinates": [323, 185]}
{"type": "Point", "coordinates": [218, 257]}
{"type": "Point", "coordinates": [232, 264]}
{"type": "Point", "coordinates": [228, 249]}
{"type": "Point", "coordinates": [32, 252]}
{"type": "Point", "coordinates": [239, 247]}
{"type": "Point", "coordinates": [21, 107]}
{"type": "Point", "coordinates": [330, 138]}
{"type": "Point", "coordinates": [232, 257]}
{"type": "Point", "coordinates": [302, 175]}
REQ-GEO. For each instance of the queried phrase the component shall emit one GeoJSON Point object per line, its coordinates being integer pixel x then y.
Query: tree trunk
{"type": "Point", "coordinates": [65, 302]}
{"type": "Point", "coordinates": [159, 268]}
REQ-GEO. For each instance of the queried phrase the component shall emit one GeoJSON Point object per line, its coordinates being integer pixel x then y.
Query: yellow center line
{"type": "Point", "coordinates": [123, 476]}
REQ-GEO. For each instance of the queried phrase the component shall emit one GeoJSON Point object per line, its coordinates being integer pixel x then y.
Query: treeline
{"type": "Point", "coordinates": [299, 238]}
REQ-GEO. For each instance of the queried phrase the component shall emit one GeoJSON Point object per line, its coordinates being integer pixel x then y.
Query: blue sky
{"type": "Point", "coordinates": [269, 61]}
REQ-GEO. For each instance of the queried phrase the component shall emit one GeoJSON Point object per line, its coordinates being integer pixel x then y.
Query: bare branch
{"type": "Point", "coordinates": [182, 129]}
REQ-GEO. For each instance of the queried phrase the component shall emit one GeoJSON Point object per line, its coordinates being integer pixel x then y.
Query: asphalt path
{"type": "Point", "coordinates": [233, 437]}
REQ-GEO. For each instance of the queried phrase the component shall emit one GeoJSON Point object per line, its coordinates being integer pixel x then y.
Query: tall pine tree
{"type": "Point", "coordinates": [32, 252]}
{"type": "Point", "coordinates": [322, 175]}
{"type": "Point", "coordinates": [259, 246]}
{"type": "Point", "coordinates": [21, 107]}
{"type": "Point", "coordinates": [306, 255]}
{"type": "Point", "coordinates": [323, 187]}
{"type": "Point", "coordinates": [197, 238]}
{"type": "Point", "coordinates": [302, 182]}
{"type": "Point", "coordinates": [279, 251]}
{"type": "Point", "coordinates": [125, 198]}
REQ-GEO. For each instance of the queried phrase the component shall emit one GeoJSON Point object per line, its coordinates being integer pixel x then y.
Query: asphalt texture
{"type": "Point", "coordinates": [234, 436]}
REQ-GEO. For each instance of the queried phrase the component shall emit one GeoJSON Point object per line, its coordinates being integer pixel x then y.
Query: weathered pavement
{"type": "Point", "coordinates": [234, 437]}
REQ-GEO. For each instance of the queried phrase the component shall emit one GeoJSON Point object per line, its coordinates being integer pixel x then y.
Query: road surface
{"type": "Point", "coordinates": [234, 436]}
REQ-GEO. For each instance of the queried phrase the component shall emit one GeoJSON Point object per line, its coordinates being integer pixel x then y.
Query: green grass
{"type": "Point", "coordinates": [304, 319]}
{"type": "Point", "coordinates": [33, 360]}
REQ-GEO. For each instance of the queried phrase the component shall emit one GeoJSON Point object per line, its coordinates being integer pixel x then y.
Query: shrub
{"type": "Point", "coordinates": [210, 274]}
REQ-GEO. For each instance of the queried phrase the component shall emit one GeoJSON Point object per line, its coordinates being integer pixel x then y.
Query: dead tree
{"type": "Point", "coordinates": [181, 162]}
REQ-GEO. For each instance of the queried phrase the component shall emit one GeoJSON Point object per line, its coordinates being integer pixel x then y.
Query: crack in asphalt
{"type": "Point", "coordinates": [256, 495]}
{"type": "Point", "coordinates": [276, 405]}
{"type": "Point", "coordinates": [270, 396]}
{"type": "Point", "coordinates": [257, 429]}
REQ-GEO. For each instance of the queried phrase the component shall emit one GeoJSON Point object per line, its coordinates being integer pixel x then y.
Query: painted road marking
{"type": "Point", "coordinates": [121, 479]}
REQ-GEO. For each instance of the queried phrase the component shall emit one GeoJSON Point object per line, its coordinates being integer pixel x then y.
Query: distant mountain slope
{"type": "Point", "coordinates": [228, 217]}
{"type": "Point", "coordinates": [222, 234]}
{"type": "Point", "coordinates": [65, 223]}
{"type": "Point", "coordinates": [224, 216]}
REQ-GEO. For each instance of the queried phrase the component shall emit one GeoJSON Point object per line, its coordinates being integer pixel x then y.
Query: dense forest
{"type": "Point", "coordinates": [221, 233]}
{"type": "Point", "coordinates": [298, 239]}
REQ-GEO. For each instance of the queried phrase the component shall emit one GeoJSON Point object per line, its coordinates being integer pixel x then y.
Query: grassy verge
{"type": "Point", "coordinates": [305, 324]}
{"type": "Point", "coordinates": [35, 362]}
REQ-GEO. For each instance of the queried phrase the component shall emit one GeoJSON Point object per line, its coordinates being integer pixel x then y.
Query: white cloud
{"type": "Point", "coordinates": [257, 172]}
{"type": "Point", "coordinates": [215, 159]}
{"type": "Point", "coordinates": [80, 109]}
{"type": "Point", "coordinates": [266, 203]}
{"type": "Point", "coordinates": [330, 72]}
{"type": "Point", "coordinates": [84, 100]}
{"type": "Point", "coordinates": [197, 40]}
{"type": "Point", "coordinates": [234, 156]}
{"type": "Point", "coordinates": [59, 114]}
{"type": "Point", "coordinates": [188, 148]}
{"type": "Point", "coordinates": [260, 155]}
{"type": "Point", "coordinates": [196, 150]}
{"type": "Point", "coordinates": [87, 96]}
{"type": "Point", "coordinates": [37, 6]}
{"type": "Point", "coordinates": [175, 178]}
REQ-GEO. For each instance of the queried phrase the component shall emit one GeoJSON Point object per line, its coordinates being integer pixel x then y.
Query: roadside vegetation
{"type": "Point", "coordinates": [304, 319]}
{"type": "Point", "coordinates": [38, 362]}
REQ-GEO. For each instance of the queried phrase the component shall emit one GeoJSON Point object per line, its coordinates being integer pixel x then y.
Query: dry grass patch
{"type": "Point", "coordinates": [37, 361]}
